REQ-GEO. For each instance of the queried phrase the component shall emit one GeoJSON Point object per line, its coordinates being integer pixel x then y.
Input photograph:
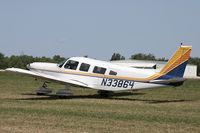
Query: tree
{"type": "Point", "coordinates": [141, 56]}
{"type": "Point", "coordinates": [26, 60]}
{"type": "Point", "coordinates": [117, 56]}
{"type": "Point", "coordinates": [15, 61]}
{"type": "Point", "coordinates": [2, 61]}
{"type": "Point", "coordinates": [42, 59]}
{"type": "Point", "coordinates": [58, 58]}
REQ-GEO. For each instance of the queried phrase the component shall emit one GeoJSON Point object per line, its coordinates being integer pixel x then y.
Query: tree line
{"type": "Point", "coordinates": [138, 56]}
{"type": "Point", "coordinates": [20, 61]}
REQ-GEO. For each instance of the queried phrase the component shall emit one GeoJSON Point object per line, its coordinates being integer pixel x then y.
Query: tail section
{"type": "Point", "coordinates": [175, 67]}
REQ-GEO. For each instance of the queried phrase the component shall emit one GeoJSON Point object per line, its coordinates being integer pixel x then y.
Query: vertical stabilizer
{"type": "Point", "coordinates": [176, 65]}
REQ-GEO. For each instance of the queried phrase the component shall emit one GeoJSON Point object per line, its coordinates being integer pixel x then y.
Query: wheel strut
{"type": "Point", "coordinates": [43, 90]}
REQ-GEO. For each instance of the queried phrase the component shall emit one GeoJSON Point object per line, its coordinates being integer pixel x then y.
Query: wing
{"type": "Point", "coordinates": [47, 77]}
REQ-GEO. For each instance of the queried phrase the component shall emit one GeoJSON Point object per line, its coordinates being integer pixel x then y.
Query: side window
{"type": "Point", "coordinates": [99, 70]}
{"type": "Point", "coordinates": [112, 72]}
{"type": "Point", "coordinates": [84, 67]}
{"type": "Point", "coordinates": [71, 64]}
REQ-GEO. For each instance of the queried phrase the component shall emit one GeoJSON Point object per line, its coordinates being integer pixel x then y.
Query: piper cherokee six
{"type": "Point", "coordinates": [106, 76]}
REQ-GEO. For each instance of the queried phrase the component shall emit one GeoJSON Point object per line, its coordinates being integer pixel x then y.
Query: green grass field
{"type": "Point", "coordinates": [154, 110]}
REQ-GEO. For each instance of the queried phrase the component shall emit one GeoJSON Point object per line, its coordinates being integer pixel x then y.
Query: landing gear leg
{"type": "Point", "coordinates": [43, 90]}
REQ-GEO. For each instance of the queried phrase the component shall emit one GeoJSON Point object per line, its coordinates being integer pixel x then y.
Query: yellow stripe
{"type": "Point", "coordinates": [179, 61]}
{"type": "Point", "coordinates": [178, 56]}
{"type": "Point", "coordinates": [104, 76]}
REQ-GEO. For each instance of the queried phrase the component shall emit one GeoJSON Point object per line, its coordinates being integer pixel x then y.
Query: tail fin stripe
{"type": "Point", "coordinates": [175, 67]}
{"type": "Point", "coordinates": [176, 63]}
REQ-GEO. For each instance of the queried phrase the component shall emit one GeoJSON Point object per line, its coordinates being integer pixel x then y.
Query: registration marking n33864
{"type": "Point", "coordinates": [117, 83]}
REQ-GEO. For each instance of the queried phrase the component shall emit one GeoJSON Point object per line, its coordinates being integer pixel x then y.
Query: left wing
{"type": "Point", "coordinates": [48, 77]}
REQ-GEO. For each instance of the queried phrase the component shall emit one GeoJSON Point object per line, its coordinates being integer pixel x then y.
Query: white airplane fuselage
{"type": "Point", "coordinates": [115, 78]}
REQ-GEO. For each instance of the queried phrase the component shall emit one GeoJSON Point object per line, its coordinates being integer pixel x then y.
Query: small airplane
{"type": "Point", "coordinates": [107, 77]}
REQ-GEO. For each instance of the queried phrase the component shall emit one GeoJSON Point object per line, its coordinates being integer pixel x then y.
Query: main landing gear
{"type": "Point", "coordinates": [62, 93]}
{"type": "Point", "coordinates": [43, 90]}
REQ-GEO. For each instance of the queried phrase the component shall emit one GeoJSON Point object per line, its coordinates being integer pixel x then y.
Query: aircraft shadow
{"type": "Point", "coordinates": [117, 96]}
{"type": "Point", "coordinates": [150, 101]}
{"type": "Point", "coordinates": [94, 96]}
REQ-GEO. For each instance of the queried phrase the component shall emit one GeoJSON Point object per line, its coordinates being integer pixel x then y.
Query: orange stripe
{"type": "Point", "coordinates": [179, 61]}
{"type": "Point", "coordinates": [168, 67]}
{"type": "Point", "coordinates": [172, 59]}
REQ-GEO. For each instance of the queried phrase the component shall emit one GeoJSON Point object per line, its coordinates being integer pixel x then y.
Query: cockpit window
{"type": "Point", "coordinates": [71, 64]}
{"type": "Point", "coordinates": [99, 70]}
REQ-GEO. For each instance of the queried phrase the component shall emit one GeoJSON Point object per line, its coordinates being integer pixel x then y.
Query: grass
{"type": "Point", "coordinates": [154, 110]}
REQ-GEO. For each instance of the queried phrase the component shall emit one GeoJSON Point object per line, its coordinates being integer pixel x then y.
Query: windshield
{"type": "Point", "coordinates": [61, 63]}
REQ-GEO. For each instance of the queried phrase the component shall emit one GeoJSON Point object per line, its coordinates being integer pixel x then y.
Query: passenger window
{"type": "Point", "coordinates": [112, 73]}
{"type": "Point", "coordinates": [71, 65]}
{"type": "Point", "coordinates": [84, 67]}
{"type": "Point", "coordinates": [99, 70]}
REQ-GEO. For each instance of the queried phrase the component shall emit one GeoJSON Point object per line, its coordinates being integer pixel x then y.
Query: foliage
{"type": "Point", "coordinates": [22, 60]}
{"type": "Point", "coordinates": [58, 58]}
{"type": "Point", "coordinates": [2, 61]}
{"type": "Point", "coordinates": [117, 56]}
{"type": "Point", "coordinates": [141, 56]}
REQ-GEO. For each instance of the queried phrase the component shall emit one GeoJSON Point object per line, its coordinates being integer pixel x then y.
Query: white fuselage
{"type": "Point", "coordinates": [100, 75]}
